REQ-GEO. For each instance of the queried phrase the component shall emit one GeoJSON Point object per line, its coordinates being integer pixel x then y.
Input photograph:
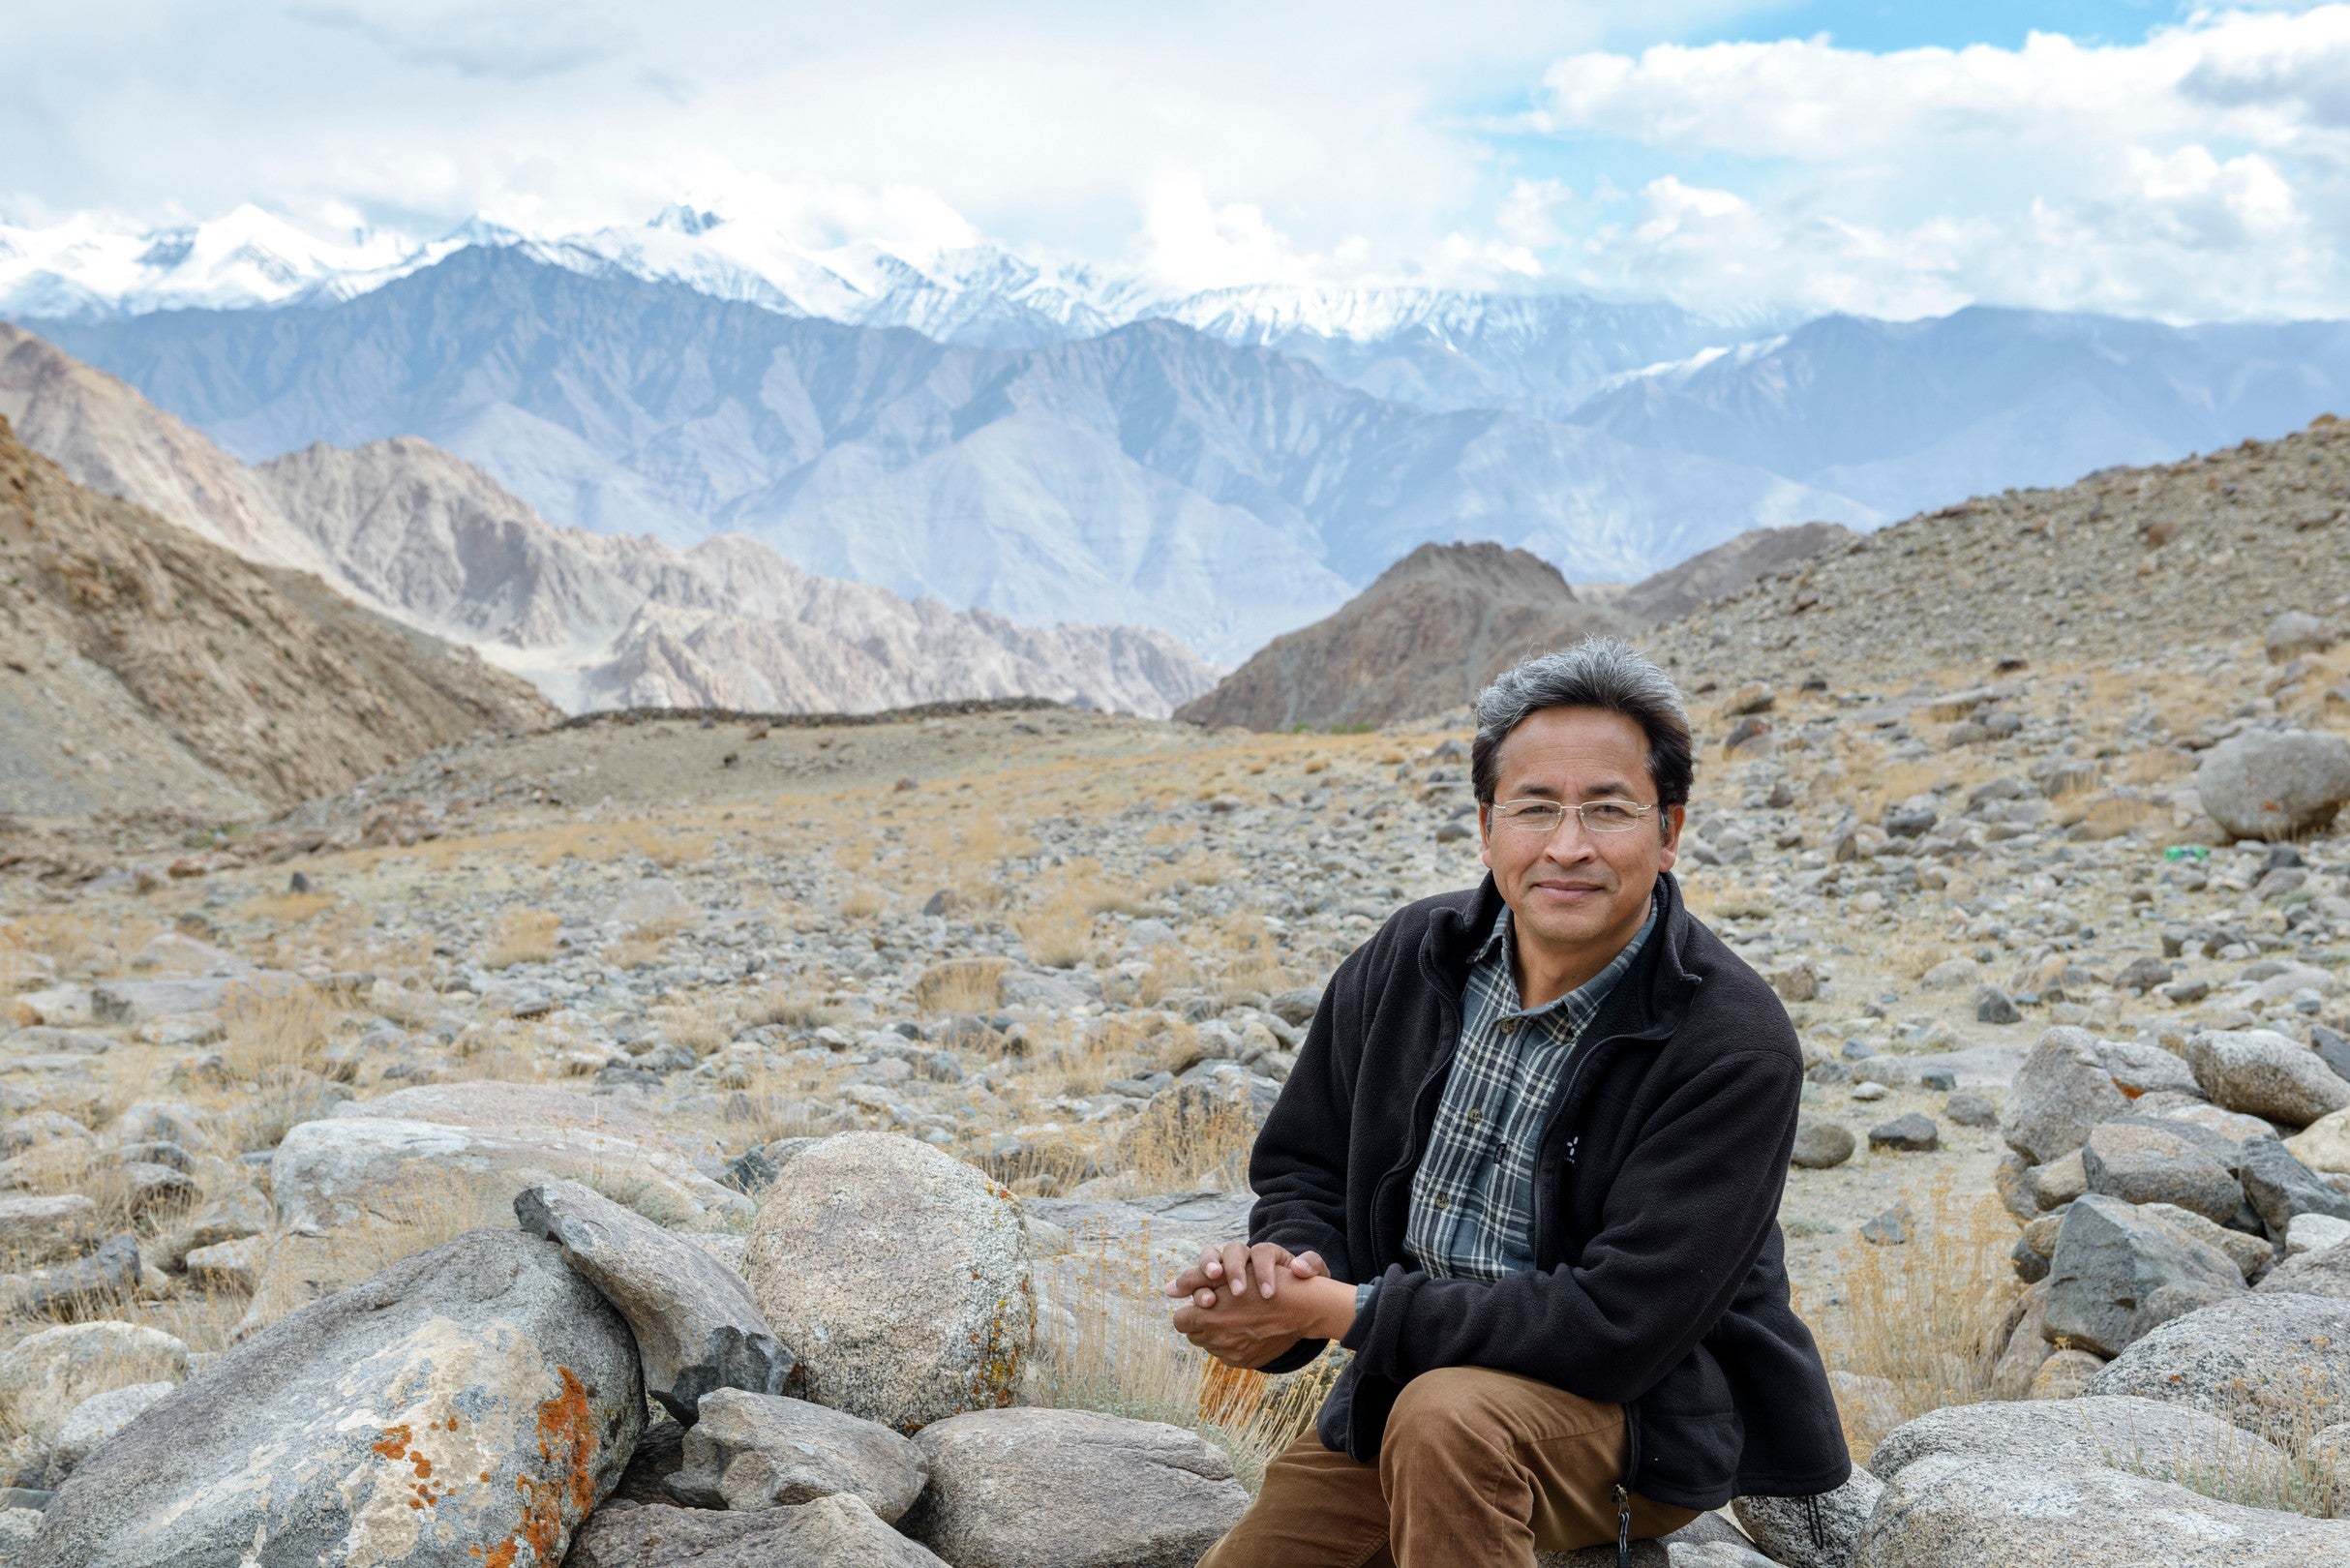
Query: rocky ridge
{"type": "Point", "coordinates": [594, 620]}
{"type": "Point", "coordinates": [143, 667]}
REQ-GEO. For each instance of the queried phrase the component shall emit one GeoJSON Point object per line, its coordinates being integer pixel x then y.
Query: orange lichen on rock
{"type": "Point", "coordinates": [564, 1489]}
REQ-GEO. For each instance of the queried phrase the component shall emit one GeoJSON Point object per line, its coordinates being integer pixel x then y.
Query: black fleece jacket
{"type": "Point", "coordinates": [1660, 1282]}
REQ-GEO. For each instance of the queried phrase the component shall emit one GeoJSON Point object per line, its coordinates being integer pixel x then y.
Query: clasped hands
{"type": "Point", "coordinates": [1245, 1305]}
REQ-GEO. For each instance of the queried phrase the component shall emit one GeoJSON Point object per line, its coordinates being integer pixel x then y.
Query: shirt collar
{"type": "Point", "coordinates": [1495, 947]}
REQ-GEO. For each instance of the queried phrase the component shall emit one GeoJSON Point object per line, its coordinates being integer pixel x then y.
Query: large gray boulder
{"type": "Point", "coordinates": [2139, 1163]}
{"type": "Point", "coordinates": [378, 1157]}
{"type": "Point", "coordinates": [696, 1326]}
{"type": "Point", "coordinates": [37, 1229]}
{"type": "Point", "coordinates": [2138, 1069]}
{"type": "Point", "coordinates": [1781, 1526]}
{"type": "Point", "coordinates": [468, 1404]}
{"type": "Point", "coordinates": [2060, 1093]}
{"type": "Point", "coordinates": [2279, 1186]}
{"type": "Point", "coordinates": [2274, 784]}
{"type": "Point", "coordinates": [2117, 1273]}
{"type": "Point", "coordinates": [759, 1451]}
{"type": "Point", "coordinates": [898, 1275]}
{"type": "Point", "coordinates": [44, 1374]}
{"type": "Point", "coordinates": [2262, 1072]}
{"type": "Point", "coordinates": [2168, 1441]}
{"type": "Point", "coordinates": [830, 1532]}
{"type": "Point", "coordinates": [2262, 1361]}
{"type": "Point", "coordinates": [1986, 1510]}
{"type": "Point", "coordinates": [1071, 1488]}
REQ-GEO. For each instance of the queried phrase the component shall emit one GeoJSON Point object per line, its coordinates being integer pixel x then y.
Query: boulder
{"type": "Point", "coordinates": [1989, 1511]}
{"type": "Point", "coordinates": [2312, 1274]}
{"type": "Point", "coordinates": [91, 1287]}
{"type": "Point", "coordinates": [1822, 1145]}
{"type": "Point", "coordinates": [2273, 784]}
{"type": "Point", "coordinates": [759, 1451]}
{"type": "Point", "coordinates": [2279, 1186]}
{"type": "Point", "coordinates": [2315, 1233]}
{"type": "Point", "coordinates": [2060, 1093]}
{"type": "Point", "coordinates": [898, 1275]}
{"type": "Point", "coordinates": [35, 1229]}
{"type": "Point", "coordinates": [1783, 1526]}
{"type": "Point", "coordinates": [2170, 1442]}
{"type": "Point", "coordinates": [234, 1265]}
{"type": "Point", "coordinates": [372, 1156]}
{"type": "Point", "coordinates": [51, 1371]}
{"type": "Point", "coordinates": [2027, 1346]}
{"type": "Point", "coordinates": [2265, 1073]}
{"type": "Point", "coordinates": [831, 1533]}
{"type": "Point", "coordinates": [2059, 1181]}
{"type": "Point", "coordinates": [464, 1406]}
{"type": "Point", "coordinates": [696, 1327]}
{"type": "Point", "coordinates": [2145, 1070]}
{"type": "Point", "coordinates": [2324, 1145]}
{"type": "Point", "coordinates": [2117, 1274]}
{"type": "Point", "coordinates": [2260, 1360]}
{"type": "Point", "coordinates": [2139, 1163]}
{"type": "Point", "coordinates": [1911, 1133]}
{"type": "Point", "coordinates": [2249, 1252]}
{"type": "Point", "coordinates": [1030, 1488]}
{"type": "Point", "coordinates": [2064, 1376]}
{"type": "Point", "coordinates": [95, 1420]}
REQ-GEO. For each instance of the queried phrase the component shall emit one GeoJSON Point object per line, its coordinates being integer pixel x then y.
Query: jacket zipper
{"type": "Point", "coordinates": [1411, 1144]}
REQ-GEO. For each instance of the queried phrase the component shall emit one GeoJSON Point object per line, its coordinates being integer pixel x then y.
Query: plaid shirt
{"type": "Point", "coordinates": [1472, 1199]}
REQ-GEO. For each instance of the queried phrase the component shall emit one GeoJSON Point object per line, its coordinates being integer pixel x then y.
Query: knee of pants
{"type": "Point", "coordinates": [1452, 1409]}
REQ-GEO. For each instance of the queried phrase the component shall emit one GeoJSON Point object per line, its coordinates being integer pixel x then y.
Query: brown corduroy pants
{"type": "Point", "coordinates": [1477, 1467]}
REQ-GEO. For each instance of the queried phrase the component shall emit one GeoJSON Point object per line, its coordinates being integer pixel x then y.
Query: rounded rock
{"type": "Point", "coordinates": [2273, 784]}
{"type": "Point", "coordinates": [1822, 1145]}
{"type": "Point", "coordinates": [898, 1275]}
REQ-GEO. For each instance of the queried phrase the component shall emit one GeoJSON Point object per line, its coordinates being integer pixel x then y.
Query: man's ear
{"type": "Point", "coordinates": [1484, 833]}
{"type": "Point", "coordinates": [1674, 817]}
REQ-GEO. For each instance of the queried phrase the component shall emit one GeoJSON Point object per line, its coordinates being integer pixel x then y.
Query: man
{"type": "Point", "coordinates": [1527, 1170]}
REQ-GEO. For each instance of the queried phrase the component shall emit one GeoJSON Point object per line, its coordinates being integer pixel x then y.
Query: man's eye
{"type": "Point", "coordinates": [1608, 816]}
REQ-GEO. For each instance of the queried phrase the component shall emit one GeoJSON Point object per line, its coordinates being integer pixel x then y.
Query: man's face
{"type": "Point", "coordinates": [1574, 887]}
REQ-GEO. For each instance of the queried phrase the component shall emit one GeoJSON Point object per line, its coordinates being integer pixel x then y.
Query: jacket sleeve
{"type": "Point", "coordinates": [1298, 1166]}
{"type": "Point", "coordinates": [1683, 1223]}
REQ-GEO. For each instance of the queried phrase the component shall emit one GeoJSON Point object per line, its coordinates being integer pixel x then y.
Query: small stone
{"type": "Point", "coordinates": [1890, 1229]}
{"type": "Point", "coordinates": [2142, 974]}
{"type": "Point", "coordinates": [36, 1229]}
{"type": "Point", "coordinates": [2315, 1233]}
{"type": "Point", "coordinates": [1026, 1488]}
{"type": "Point", "coordinates": [1911, 1133]}
{"type": "Point", "coordinates": [1994, 1005]}
{"type": "Point", "coordinates": [1971, 1110]}
{"type": "Point", "coordinates": [751, 1451]}
{"type": "Point", "coordinates": [2281, 1187]}
{"type": "Point", "coordinates": [2059, 1181]}
{"type": "Point", "coordinates": [1822, 1145]}
{"type": "Point", "coordinates": [2065, 1375]}
{"type": "Point", "coordinates": [2062, 1090]}
{"type": "Point", "coordinates": [94, 1288]}
{"type": "Point", "coordinates": [1870, 1089]}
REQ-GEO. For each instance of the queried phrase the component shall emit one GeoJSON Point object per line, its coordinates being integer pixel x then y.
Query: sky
{"type": "Point", "coordinates": [2148, 159]}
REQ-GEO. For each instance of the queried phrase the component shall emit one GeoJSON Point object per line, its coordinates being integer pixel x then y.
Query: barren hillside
{"type": "Point", "coordinates": [147, 669]}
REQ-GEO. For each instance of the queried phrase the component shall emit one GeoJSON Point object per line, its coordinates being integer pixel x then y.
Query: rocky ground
{"type": "Point", "coordinates": [1075, 951]}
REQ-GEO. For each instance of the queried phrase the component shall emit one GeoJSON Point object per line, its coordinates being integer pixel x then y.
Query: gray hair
{"type": "Point", "coordinates": [1606, 673]}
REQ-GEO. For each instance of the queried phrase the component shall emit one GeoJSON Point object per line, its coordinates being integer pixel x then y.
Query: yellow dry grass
{"type": "Point", "coordinates": [961, 986]}
{"type": "Point", "coordinates": [1926, 1316]}
{"type": "Point", "coordinates": [861, 904]}
{"type": "Point", "coordinates": [525, 936]}
{"type": "Point", "coordinates": [289, 908]}
{"type": "Point", "coordinates": [1058, 930]}
{"type": "Point", "coordinates": [1186, 1143]}
{"type": "Point", "coordinates": [1121, 1357]}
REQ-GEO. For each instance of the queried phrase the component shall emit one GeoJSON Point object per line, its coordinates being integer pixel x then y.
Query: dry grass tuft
{"type": "Point", "coordinates": [1188, 1142]}
{"type": "Point", "coordinates": [861, 904]}
{"type": "Point", "coordinates": [1118, 1355]}
{"type": "Point", "coordinates": [525, 936]}
{"type": "Point", "coordinates": [273, 1058]}
{"type": "Point", "coordinates": [1059, 931]}
{"type": "Point", "coordinates": [961, 986]}
{"type": "Point", "coordinates": [289, 908]}
{"type": "Point", "coordinates": [1926, 1316]}
{"type": "Point", "coordinates": [784, 1008]}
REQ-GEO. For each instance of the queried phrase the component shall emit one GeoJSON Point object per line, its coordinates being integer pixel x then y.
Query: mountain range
{"type": "Point", "coordinates": [594, 620]}
{"type": "Point", "coordinates": [1151, 476]}
{"type": "Point", "coordinates": [1053, 441]}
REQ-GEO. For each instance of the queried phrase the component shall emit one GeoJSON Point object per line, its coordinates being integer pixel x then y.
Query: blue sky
{"type": "Point", "coordinates": [2151, 158]}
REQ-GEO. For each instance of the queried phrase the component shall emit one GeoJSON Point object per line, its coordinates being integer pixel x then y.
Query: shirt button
{"type": "Point", "coordinates": [1444, 1202]}
{"type": "Point", "coordinates": [1508, 1026]}
{"type": "Point", "coordinates": [1476, 1113]}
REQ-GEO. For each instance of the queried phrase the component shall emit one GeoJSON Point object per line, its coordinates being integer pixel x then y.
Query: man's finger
{"type": "Point", "coordinates": [1212, 1262]}
{"type": "Point", "coordinates": [1267, 1261]}
{"type": "Point", "coordinates": [1308, 1266]}
{"type": "Point", "coordinates": [1236, 1263]}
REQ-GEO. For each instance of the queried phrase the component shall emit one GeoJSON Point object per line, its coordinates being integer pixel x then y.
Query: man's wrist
{"type": "Point", "coordinates": [1334, 1303]}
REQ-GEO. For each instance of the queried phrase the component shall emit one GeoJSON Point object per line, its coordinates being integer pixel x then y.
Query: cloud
{"type": "Point", "coordinates": [502, 43]}
{"type": "Point", "coordinates": [2203, 173]}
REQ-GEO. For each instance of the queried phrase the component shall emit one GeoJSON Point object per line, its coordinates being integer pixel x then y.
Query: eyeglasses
{"type": "Point", "coordinates": [1543, 817]}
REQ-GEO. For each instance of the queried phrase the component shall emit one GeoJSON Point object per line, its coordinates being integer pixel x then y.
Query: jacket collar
{"type": "Point", "coordinates": [1661, 982]}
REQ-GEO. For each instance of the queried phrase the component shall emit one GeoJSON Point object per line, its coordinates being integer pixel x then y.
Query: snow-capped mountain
{"type": "Point", "coordinates": [89, 266]}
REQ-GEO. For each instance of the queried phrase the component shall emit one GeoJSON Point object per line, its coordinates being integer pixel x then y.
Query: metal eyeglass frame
{"type": "Point", "coordinates": [1556, 811]}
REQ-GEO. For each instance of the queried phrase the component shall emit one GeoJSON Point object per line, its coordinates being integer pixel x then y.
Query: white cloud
{"type": "Point", "coordinates": [2203, 172]}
